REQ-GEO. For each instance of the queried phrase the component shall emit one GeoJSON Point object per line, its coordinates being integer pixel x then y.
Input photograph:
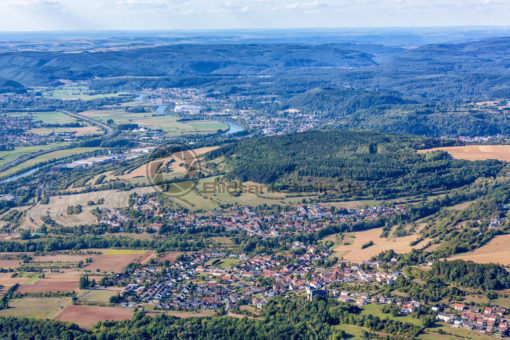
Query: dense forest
{"type": "Point", "coordinates": [472, 275]}
{"type": "Point", "coordinates": [336, 103]}
{"type": "Point", "coordinates": [381, 165]}
{"type": "Point", "coordinates": [346, 108]}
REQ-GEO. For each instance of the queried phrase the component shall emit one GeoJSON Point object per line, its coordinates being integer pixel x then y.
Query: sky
{"type": "Point", "coordinates": [63, 15]}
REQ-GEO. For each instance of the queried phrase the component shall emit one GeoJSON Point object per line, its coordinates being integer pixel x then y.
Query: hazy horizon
{"type": "Point", "coordinates": [65, 15]}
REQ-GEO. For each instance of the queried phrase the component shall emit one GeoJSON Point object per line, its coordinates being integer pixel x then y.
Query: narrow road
{"type": "Point", "coordinates": [108, 131]}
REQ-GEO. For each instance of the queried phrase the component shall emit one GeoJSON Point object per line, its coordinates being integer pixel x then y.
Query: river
{"type": "Point", "coordinates": [232, 128]}
{"type": "Point", "coordinates": [161, 109]}
{"type": "Point", "coordinates": [21, 175]}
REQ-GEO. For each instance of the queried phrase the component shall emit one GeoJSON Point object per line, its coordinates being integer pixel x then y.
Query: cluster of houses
{"type": "Point", "coordinates": [14, 132]}
{"type": "Point", "coordinates": [145, 134]}
{"type": "Point", "coordinates": [303, 218]}
{"type": "Point", "coordinates": [489, 320]}
{"type": "Point", "coordinates": [496, 222]}
{"type": "Point", "coordinates": [269, 123]}
{"type": "Point", "coordinates": [202, 281]}
{"type": "Point", "coordinates": [192, 101]}
{"type": "Point", "coordinates": [214, 280]}
{"type": "Point", "coordinates": [9, 97]}
{"type": "Point", "coordinates": [483, 139]}
{"type": "Point", "coordinates": [362, 299]}
{"type": "Point", "coordinates": [187, 101]}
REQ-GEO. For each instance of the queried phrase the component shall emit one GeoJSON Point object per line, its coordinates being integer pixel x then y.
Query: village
{"type": "Point", "coordinates": [220, 281]}
{"type": "Point", "coordinates": [15, 132]}
{"type": "Point", "coordinates": [489, 320]}
{"type": "Point", "coordinates": [254, 221]}
{"type": "Point", "coordinates": [188, 102]}
{"type": "Point", "coordinates": [210, 280]}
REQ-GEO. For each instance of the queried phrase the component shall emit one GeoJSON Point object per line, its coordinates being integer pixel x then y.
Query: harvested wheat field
{"type": "Point", "coordinates": [8, 281]}
{"type": "Point", "coordinates": [49, 286]}
{"type": "Point", "coordinates": [86, 131]}
{"type": "Point", "coordinates": [496, 251]}
{"type": "Point", "coordinates": [53, 282]}
{"type": "Point", "coordinates": [476, 152]}
{"type": "Point", "coordinates": [87, 316]}
{"type": "Point", "coordinates": [181, 314]}
{"type": "Point", "coordinates": [116, 263]}
{"type": "Point", "coordinates": [353, 252]}
{"type": "Point", "coordinates": [39, 308]}
{"type": "Point", "coordinates": [10, 264]}
{"type": "Point", "coordinates": [61, 258]}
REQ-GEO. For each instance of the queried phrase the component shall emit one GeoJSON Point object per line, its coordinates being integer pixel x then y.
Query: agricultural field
{"type": "Point", "coordinates": [49, 286]}
{"type": "Point", "coordinates": [496, 251]}
{"type": "Point", "coordinates": [39, 308]}
{"type": "Point", "coordinates": [60, 258]}
{"type": "Point", "coordinates": [79, 131]}
{"type": "Point", "coordinates": [124, 252]}
{"type": "Point", "coordinates": [78, 93]}
{"type": "Point", "coordinates": [169, 124]}
{"type": "Point", "coordinates": [9, 156]}
{"type": "Point", "coordinates": [61, 272]}
{"type": "Point", "coordinates": [87, 316]}
{"type": "Point", "coordinates": [53, 282]}
{"type": "Point", "coordinates": [47, 117]}
{"type": "Point", "coordinates": [476, 152]}
{"type": "Point", "coordinates": [116, 263]}
{"type": "Point", "coordinates": [350, 247]}
{"type": "Point", "coordinates": [97, 296]}
{"type": "Point", "coordinates": [8, 261]}
{"type": "Point", "coordinates": [7, 280]}
{"type": "Point", "coordinates": [57, 207]}
{"type": "Point", "coordinates": [181, 314]}
{"type": "Point", "coordinates": [208, 196]}
{"type": "Point", "coordinates": [47, 157]}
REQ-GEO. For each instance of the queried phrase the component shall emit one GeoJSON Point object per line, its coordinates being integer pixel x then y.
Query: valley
{"type": "Point", "coordinates": [190, 188]}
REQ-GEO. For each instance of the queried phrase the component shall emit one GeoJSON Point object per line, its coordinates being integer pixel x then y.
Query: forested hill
{"type": "Point", "coordinates": [391, 111]}
{"type": "Point", "coordinates": [33, 68]}
{"type": "Point", "coordinates": [342, 102]}
{"type": "Point", "coordinates": [384, 165]}
{"type": "Point", "coordinates": [467, 70]}
{"type": "Point", "coordinates": [11, 86]}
